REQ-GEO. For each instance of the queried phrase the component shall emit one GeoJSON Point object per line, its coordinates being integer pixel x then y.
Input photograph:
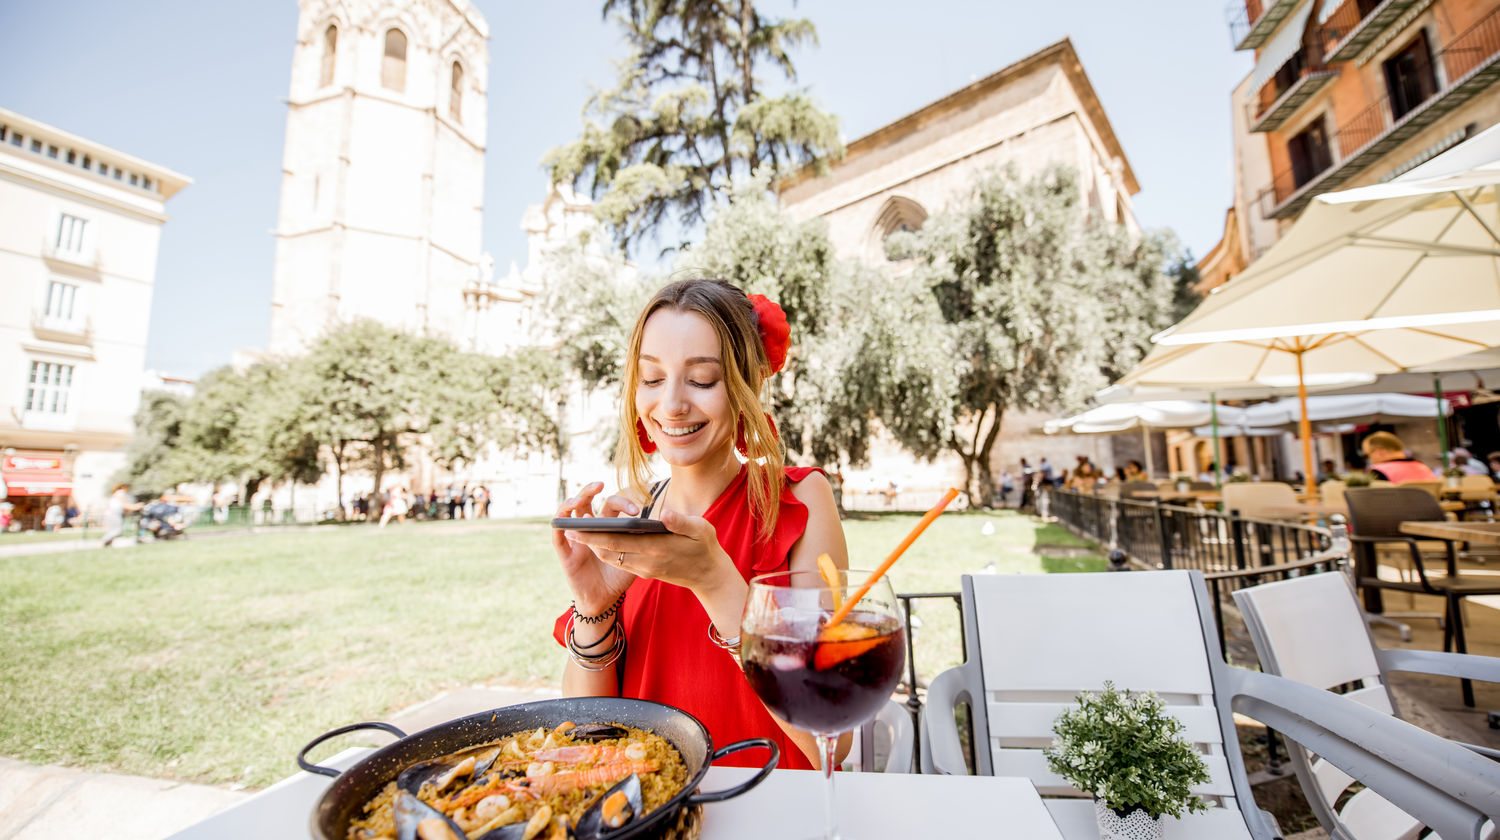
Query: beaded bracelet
{"type": "Point", "coordinates": [601, 617]}
{"type": "Point", "coordinates": [731, 645]}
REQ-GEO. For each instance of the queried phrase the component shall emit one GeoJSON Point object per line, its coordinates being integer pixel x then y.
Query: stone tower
{"type": "Point", "coordinates": [383, 170]}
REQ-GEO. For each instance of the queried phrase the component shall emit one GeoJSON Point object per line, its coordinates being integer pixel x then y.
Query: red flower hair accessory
{"type": "Point", "coordinates": [775, 333]}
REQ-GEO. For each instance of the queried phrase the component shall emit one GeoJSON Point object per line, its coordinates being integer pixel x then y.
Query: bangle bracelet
{"type": "Point", "coordinates": [572, 643]}
{"type": "Point", "coordinates": [731, 645]}
{"type": "Point", "coordinates": [599, 662]}
{"type": "Point", "coordinates": [601, 617]}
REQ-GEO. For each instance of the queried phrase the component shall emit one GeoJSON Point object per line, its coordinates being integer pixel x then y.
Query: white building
{"type": "Point", "coordinates": [383, 169]}
{"type": "Point", "coordinates": [79, 228]}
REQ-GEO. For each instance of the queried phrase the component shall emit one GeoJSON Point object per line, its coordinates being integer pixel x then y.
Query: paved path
{"type": "Point", "coordinates": [61, 803]}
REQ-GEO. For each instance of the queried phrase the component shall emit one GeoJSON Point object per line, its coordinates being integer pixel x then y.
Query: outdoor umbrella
{"type": "Point", "coordinates": [1116, 418]}
{"type": "Point", "coordinates": [1343, 408]}
{"type": "Point", "coordinates": [1374, 280]}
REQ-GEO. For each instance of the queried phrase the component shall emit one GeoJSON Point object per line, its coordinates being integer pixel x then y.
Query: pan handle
{"type": "Point", "coordinates": [334, 733]}
{"type": "Point", "coordinates": [730, 793]}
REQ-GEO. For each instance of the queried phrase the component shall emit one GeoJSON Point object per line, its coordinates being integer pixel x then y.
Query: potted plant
{"type": "Point", "coordinates": [1182, 483]}
{"type": "Point", "coordinates": [1357, 479]}
{"type": "Point", "coordinates": [1125, 750]}
{"type": "Point", "coordinates": [1453, 476]}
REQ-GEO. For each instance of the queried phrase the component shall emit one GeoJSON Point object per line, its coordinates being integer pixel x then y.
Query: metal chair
{"type": "Point", "coordinates": [1033, 642]}
{"type": "Point", "coordinates": [1311, 629]}
{"type": "Point", "coordinates": [1375, 515]}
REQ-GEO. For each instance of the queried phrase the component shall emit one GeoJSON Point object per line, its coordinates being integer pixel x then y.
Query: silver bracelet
{"type": "Point", "coordinates": [600, 661]}
{"type": "Point", "coordinates": [731, 645]}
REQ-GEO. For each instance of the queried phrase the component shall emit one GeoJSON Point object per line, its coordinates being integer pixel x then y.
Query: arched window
{"type": "Point", "coordinates": [898, 214]}
{"type": "Point", "coordinates": [393, 66]}
{"type": "Point", "coordinates": [330, 55]}
{"type": "Point", "coordinates": [456, 93]}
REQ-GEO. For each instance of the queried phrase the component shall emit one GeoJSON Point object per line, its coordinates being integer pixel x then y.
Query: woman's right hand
{"type": "Point", "coordinates": [596, 584]}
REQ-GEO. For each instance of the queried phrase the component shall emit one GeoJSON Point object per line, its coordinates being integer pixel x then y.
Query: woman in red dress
{"type": "Point", "coordinates": [657, 616]}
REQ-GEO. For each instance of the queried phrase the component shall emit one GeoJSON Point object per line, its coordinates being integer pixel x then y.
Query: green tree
{"type": "Point", "coordinates": [1041, 303]}
{"type": "Point", "coordinates": [690, 112]}
{"type": "Point", "coordinates": [852, 362]}
{"type": "Point", "coordinates": [153, 459]}
{"type": "Point", "coordinates": [220, 440]}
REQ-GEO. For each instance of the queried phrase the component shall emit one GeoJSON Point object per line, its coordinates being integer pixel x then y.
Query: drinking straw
{"type": "Point", "coordinates": [843, 612]}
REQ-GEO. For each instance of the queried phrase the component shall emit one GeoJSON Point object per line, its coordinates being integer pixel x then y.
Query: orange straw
{"type": "Point", "coordinates": [843, 612]}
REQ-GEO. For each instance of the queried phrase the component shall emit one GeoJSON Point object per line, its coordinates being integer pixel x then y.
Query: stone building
{"type": "Point", "coordinates": [383, 169]}
{"type": "Point", "coordinates": [80, 224]}
{"type": "Point", "coordinates": [1038, 111]}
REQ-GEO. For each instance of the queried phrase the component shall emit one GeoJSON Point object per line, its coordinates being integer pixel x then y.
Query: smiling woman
{"type": "Point", "coordinates": [700, 354]}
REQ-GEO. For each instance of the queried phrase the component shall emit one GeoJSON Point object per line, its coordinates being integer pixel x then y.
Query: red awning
{"type": "Point", "coordinates": [25, 475]}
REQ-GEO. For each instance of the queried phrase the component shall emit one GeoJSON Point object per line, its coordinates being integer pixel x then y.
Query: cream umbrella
{"type": "Point", "coordinates": [1117, 418]}
{"type": "Point", "coordinates": [1375, 280]}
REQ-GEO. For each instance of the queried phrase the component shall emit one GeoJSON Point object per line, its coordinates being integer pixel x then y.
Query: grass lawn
{"type": "Point", "coordinates": [215, 660]}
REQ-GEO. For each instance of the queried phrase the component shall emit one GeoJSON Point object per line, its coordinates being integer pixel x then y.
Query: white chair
{"type": "Point", "coordinates": [1311, 629]}
{"type": "Point", "coordinates": [1035, 641]}
{"type": "Point", "coordinates": [891, 726]}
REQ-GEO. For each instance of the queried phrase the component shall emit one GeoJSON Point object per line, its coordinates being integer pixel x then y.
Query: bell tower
{"type": "Point", "coordinates": [383, 169]}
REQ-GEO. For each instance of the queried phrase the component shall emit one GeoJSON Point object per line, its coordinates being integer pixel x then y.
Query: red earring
{"type": "Point", "coordinates": [647, 444]}
{"type": "Point", "coordinates": [739, 438]}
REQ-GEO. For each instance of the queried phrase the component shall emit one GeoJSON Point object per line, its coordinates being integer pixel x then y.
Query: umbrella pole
{"type": "Point", "coordinates": [1213, 409]}
{"type": "Point", "coordinates": [1437, 395]}
{"type": "Point", "coordinates": [1304, 427]}
{"type": "Point", "coordinates": [1146, 442]}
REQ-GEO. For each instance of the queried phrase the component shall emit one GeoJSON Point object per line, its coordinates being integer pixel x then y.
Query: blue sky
{"type": "Point", "coordinates": [199, 87]}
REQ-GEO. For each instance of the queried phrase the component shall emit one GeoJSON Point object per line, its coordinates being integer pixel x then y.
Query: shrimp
{"type": "Point", "coordinates": [579, 779]}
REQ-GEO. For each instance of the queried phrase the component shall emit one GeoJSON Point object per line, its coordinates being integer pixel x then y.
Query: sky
{"type": "Point", "coordinates": [200, 87]}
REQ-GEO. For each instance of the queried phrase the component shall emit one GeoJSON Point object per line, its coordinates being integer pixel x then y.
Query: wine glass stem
{"type": "Point", "coordinates": [826, 747]}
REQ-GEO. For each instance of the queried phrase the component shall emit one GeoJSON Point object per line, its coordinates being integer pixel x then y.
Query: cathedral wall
{"type": "Point", "coordinates": [382, 278]}
{"type": "Point", "coordinates": [458, 194]}
{"type": "Point", "coordinates": [388, 151]}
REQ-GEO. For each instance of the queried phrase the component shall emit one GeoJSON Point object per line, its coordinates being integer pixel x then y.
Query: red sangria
{"type": "Point", "coordinates": [822, 677]}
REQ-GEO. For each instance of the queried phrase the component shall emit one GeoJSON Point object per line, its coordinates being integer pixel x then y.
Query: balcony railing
{"type": "Point", "coordinates": [1253, 21]}
{"type": "Point", "coordinates": [1346, 33]}
{"type": "Point", "coordinates": [71, 330]}
{"type": "Point", "coordinates": [1469, 66]}
{"type": "Point", "coordinates": [1296, 82]}
{"type": "Point", "coordinates": [82, 258]}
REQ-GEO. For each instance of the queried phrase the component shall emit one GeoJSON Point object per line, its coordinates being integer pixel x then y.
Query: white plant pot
{"type": "Point", "coordinates": [1137, 825]}
{"type": "Point", "coordinates": [1454, 481]}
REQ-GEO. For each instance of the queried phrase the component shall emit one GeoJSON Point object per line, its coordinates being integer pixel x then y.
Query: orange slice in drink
{"type": "Point", "coordinates": [830, 574]}
{"type": "Point", "coordinates": [845, 640]}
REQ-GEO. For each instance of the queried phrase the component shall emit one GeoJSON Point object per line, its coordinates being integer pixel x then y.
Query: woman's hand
{"type": "Point", "coordinates": [596, 583]}
{"type": "Point", "coordinates": [690, 556]}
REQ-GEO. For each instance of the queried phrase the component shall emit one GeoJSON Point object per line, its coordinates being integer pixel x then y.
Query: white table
{"type": "Point", "coordinates": [789, 803]}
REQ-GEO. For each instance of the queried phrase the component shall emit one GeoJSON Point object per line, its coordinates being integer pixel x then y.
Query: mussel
{"type": "Point", "coordinates": [598, 732]}
{"type": "Point", "coordinates": [440, 773]}
{"type": "Point", "coordinates": [613, 810]}
{"type": "Point", "coordinates": [416, 820]}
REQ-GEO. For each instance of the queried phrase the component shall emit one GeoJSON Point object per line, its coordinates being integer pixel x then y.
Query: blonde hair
{"type": "Point", "coordinates": [726, 308]}
{"type": "Point", "coordinates": [1384, 441]}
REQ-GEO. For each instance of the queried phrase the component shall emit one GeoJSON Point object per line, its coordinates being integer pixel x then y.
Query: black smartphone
{"type": "Point", "coordinates": [610, 524]}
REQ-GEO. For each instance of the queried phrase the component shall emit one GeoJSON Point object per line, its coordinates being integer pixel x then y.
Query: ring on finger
{"type": "Point", "coordinates": [620, 561]}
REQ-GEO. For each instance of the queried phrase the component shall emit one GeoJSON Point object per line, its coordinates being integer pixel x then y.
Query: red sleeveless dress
{"type": "Point", "coordinates": [670, 658]}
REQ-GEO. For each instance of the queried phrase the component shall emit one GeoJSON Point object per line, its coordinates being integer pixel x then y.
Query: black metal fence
{"type": "Point", "coordinates": [1231, 550]}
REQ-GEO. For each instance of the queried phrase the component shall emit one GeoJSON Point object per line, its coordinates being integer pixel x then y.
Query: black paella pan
{"type": "Point", "coordinates": [346, 797]}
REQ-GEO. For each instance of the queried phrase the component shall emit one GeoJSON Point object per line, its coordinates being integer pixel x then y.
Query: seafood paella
{"type": "Point", "coordinates": [574, 781]}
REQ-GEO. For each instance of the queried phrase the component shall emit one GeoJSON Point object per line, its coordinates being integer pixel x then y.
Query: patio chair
{"type": "Point", "coordinates": [1259, 499]}
{"type": "Point", "coordinates": [1375, 515]}
{"type": "Point", "coordinates": [1311, 629]}
{"type": "Point", "coordinates": [891, 726]}
{"type": "Point", "coordinates": [1432, 488]}
{"type": "Point", "coordinates": [1035, 641]}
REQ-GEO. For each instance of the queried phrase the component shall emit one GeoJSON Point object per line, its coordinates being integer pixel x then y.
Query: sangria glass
{"type": "Point", "coordinates": [822, 679]}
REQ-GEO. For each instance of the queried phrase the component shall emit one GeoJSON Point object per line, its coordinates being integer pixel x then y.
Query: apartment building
{"type": "Point", "coordinates": [80, 223]}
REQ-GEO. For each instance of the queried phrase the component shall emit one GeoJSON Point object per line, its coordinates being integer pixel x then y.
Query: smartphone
{"type": "Point", "coordinates": [610, 524]}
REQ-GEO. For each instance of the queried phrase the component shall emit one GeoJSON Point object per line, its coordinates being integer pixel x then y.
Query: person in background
{"type": "Point", "coordinates": [1327, 471]}
{"type": "Point", "coordinates": [1494, 462]}
{"type": "Point", "coordinates": [1208, 474]}
{"type": "Point", "coordinates": [120, 504]}
{"type": "Point", "coordinates": [1085, 475]}
{"type": "Point", "coordinates": [1466, 461]}
{"type": "Point", "coordinates": [54, 518]}
{"type": "Point", "coordinates": [1134, 471]}
{"type": "Point", "coordinates": [1007, 484]}
{"type": "Point", "coordinates": [1049, 475]}
{"type": "Point", "coordinates": [1389, 461]}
